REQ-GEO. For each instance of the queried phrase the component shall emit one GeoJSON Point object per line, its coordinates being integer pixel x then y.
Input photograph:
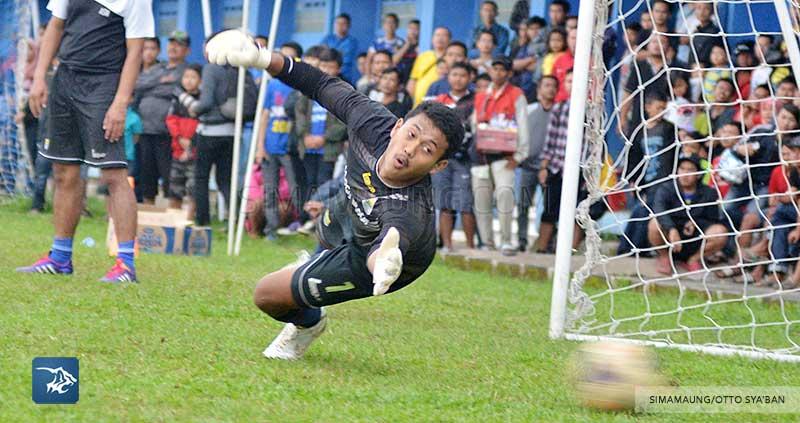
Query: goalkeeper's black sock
{"type": "Point", "coordinates": [303, 317]}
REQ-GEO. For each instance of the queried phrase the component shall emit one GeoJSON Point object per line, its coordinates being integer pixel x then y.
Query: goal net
{"type": "Point", "coordinates": [691, 117]}
{"type": "Point", "coordinates": [15, 169]}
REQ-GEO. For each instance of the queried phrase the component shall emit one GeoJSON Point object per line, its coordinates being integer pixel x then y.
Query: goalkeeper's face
{"type": "Point", "coordinates": [415, 150]}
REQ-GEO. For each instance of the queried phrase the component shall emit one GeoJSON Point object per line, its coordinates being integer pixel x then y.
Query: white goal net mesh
{"type": "Point", "coordinates": [690, 170]}
{"type": "Point", "coordinates": [15, 168]}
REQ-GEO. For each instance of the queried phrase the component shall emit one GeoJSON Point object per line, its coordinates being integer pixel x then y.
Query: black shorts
{"type": "Point", "coordinates": [338, 275]}
{"type": "Point", "coordinates": [334, 227]}
{"type": "Point", "coordinates": [77, 105]}
{"type": "Point", "coordinates": [690, 244]}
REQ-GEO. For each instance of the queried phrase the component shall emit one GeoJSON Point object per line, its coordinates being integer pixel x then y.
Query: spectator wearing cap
{"type": "Point", "coordinates": [503, 104]}
{"type": "Point", "coordinates": [346, 44]}
{"type": "Point", "coordinates": [488, 14]}
{"type": "Point", "coordinates": [153, 96]}
{"type": "Point", "coordinates": [688, 224]}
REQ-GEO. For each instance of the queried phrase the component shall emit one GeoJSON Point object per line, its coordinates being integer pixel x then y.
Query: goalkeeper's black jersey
{"type": "Point", "coordinates": [374, 207]}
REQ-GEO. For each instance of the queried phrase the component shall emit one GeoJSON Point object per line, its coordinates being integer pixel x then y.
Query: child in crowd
{"type": "Point", "coordinates": [182, 127]}
{"type": "Point", "coordinates": [679, 111]}
{"type": "Point", "coordinates": [720, 69]}
{"type": "Point", "coordinates": [486, 44]}
{"type": "Point", "coordinates": [725, 139]}
{"type": "Point", "coordinates": [482, 82]}
{"type": "Point", "coordinates": [556, 47]}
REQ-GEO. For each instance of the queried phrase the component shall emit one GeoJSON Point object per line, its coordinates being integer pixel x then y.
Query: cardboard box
{"type": "Point", "coordinates": [197, 241]}
{"type": "Point", "coordinates": [164, 231]}
{"type": "Point", "coordinates": [496, 140]}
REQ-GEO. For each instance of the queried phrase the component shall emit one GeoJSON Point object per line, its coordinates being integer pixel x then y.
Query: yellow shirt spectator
{"type": "Point", "coordinates": [425, 73]}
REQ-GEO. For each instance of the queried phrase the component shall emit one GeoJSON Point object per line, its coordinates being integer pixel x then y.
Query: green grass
{"type": "Point", "coordinates": [186, 344]}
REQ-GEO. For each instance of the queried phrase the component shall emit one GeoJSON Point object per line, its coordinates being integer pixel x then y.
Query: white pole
{"type": "Point", "coordinates": [571, 172]}
{"type": "Point", "coordinates": [207, 27]}
{"type": "Point", "coordinates": [262, 93]}
{"type": "Point", "coordinates": [237, 139]}
{"type": "Point", "coordinates": [788, 35]}
{"type": "Point", "coordinates": [35, 18]}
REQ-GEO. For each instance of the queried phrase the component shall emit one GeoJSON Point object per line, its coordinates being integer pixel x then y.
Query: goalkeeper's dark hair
{"type": "Point", "coordinates": [446, 120]}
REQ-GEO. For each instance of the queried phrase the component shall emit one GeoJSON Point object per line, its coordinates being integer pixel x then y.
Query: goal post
{"type": "Point", "coordinates": [742, 297]}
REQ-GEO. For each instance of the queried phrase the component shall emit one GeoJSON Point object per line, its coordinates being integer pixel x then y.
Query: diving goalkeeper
{"type": "Point", "coordinates": [388, 195]}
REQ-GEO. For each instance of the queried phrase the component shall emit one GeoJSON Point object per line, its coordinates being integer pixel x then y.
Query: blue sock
{"type": "Point", "coordinates": [61, 251]}
{"type": "Point", "coordinates": [125, 253]}
{"type": "Point", "coordinates": [303, 317]}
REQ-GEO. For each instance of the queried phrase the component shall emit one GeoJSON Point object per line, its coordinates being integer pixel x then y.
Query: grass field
{"type": "Point", "coordinates": [186, 344]}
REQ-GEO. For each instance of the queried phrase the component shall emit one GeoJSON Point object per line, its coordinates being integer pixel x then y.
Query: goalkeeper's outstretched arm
{"type": "Point", "coordinates": [236, 48]}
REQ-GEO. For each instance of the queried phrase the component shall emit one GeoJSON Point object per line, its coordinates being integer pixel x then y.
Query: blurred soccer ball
{"type": "Point", "coordinates": [606, 374]}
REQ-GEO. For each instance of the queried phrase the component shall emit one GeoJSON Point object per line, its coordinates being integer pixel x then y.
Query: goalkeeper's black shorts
{"type": "Point", "coordinates": [338, 275]}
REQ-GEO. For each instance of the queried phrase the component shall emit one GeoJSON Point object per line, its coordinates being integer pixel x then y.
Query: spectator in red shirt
{"type": "Point", "coordinates": [182, 127]}
{"type": "Point", "coordinates": [503, 105]}
{"type": "Point", "coordinates": [563, 64]}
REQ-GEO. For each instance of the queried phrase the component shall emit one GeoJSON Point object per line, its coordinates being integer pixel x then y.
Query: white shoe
{"type": "Point", "coordinates": [308, 228]}
{"type": "Point", "coordinates": [293, 341]}
{"type": "Point", "coordinates": [388, 263]}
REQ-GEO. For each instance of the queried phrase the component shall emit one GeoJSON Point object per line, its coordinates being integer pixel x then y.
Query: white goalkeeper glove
{"type": "Point", "coordinates": [388, 262]}
{"type": "Point", "coordinates": [236, 48]}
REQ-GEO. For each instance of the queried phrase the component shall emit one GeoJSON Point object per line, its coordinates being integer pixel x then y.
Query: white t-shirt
{"type": "Point", "coordinates": [137, 15]}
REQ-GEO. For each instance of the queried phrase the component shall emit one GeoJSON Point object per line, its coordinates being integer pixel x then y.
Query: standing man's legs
{"type": "Point", "coordinates": [148, 167]}
{"type": "Point", "coordinates": [504, 196]}
{"type": "Point", "coordinates": [527, 188]}
{"type": "Point", "coordinates": [270, 169]}
{"type": "Point", "coordinates": [122, 202]}
{"type": "Point", "coordinates": [67, 199]}
{"type": "Point", "coordinates": [43, 170]}
{"type": "Point", "coordinates": [482, 190]}
{"type": "Point", "coordinates": [223, 147]}
{"type": "Point", "coordinates": [202, 170]}
{"type": "Point", "coordinates": [285, 161]}
{"type": "Point", "coordinates": [164, 161]}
